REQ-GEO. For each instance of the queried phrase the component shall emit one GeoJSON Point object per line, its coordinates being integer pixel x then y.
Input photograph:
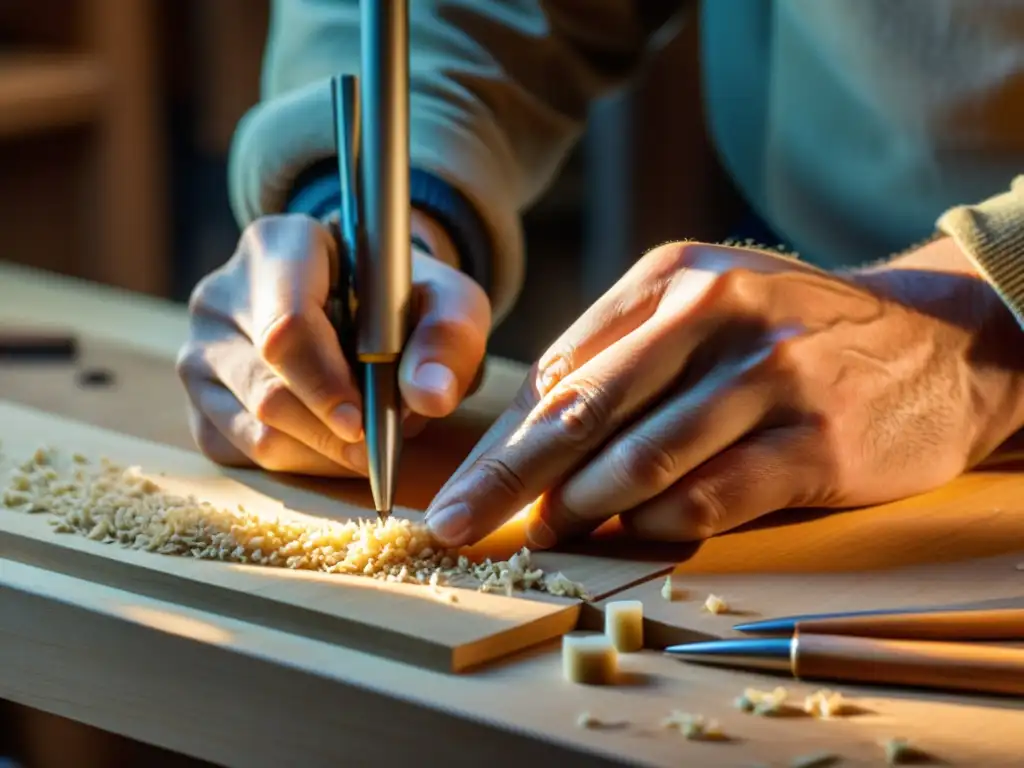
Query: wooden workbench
{"type": "Point", "coordinates": [235, 693]}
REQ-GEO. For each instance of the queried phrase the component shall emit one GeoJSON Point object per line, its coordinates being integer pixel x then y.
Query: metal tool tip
{"type": "Point", "coordinates": [768, 627]}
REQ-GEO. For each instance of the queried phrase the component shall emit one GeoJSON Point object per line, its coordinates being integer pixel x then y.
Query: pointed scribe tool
{"type": "Point", "coordinates": [927, 624]}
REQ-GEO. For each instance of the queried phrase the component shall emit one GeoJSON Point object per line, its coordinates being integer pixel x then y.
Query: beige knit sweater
{"type": "Point", "coordinates": [851, 126]}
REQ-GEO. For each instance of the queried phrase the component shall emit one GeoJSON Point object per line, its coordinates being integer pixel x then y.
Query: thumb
{"type": "Point", "coordinates": [449, 341]}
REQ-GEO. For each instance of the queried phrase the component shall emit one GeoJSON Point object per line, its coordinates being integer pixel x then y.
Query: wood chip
{"type": "Point", "coordinates": [816, 760]}
{"type": "Point", "coordinates": [666, 590]}
{"type": "Point", "coordinates": [589, 721]}
{"type": "Point", "coordinates": [901, 752]}
{"type": "Point", "coordinates": [763, 703]}
{"type": "Point", "coordinates": [715, 604]}
{"type": "Point", "coordinates": [694, 727]}
{"type": "Point", "coordinates": [825, 704]}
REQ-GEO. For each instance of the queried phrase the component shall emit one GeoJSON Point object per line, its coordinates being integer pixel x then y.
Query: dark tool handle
{"type": "Point", "coordinates": [38, 347]}
{"type": "Point", "coordinates": [342, 304]}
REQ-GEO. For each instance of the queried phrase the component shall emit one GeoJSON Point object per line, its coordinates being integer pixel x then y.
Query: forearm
{"type": "Point", "coordinates": [487, 118]}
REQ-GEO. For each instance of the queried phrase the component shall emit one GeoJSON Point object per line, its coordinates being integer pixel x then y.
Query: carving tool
{"type": "Point", "coordinates": [928, 624]}
{"type": "Point", "coordinates": [370, 305]}
{"type": "Point", "coordinates": [970, 667]}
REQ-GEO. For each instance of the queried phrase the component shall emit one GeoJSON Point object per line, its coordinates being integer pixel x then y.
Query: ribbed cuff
{"type": "Point", "coordinates": [316, 193]}
{"type": "Point", "coordinates": [991, 235]}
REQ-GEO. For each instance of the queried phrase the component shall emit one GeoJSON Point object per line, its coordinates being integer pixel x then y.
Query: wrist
{"type": "Point", "coordinates": [939, 281]}
{"type": "Point", "coordinates": [442, 219]}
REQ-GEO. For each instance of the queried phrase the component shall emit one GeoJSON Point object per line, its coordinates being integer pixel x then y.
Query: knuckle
{"type": "Point", "coordinates": [281, 335]}
{"type": "Point", "coordinates": [704, 509]}
{"type": "Point", "coordinates": [272, 402]}
{"type": "Point", "coordinates": [735, 287]}
{"type": "Point", "coordinates": [461, 333]}
{"type": "Point", "coordinates": [670, 255]}
{"type": "Point", "coordinates": [555, 366]}
{"type": "Point", "coordinates": [638, 460]}
{"type": "Point", "coordinates": [190, 363]}
{"type": "Point", "coordinates": [528, 395]}
{"type": "Point", "coordinates": [207, 438]}
{"type": "Point", "coordinates": [326, 443]}
{"type": "Point", "coordinates": [202, 296]}
{"type": "Point", "coordinates": [500, 477]}
{"type": "Point", "coordinates": [784, 359]}
{"type": "Point", "coordinates": [580, 411]}
{"type": "Point", "coordinates": [265, 448]}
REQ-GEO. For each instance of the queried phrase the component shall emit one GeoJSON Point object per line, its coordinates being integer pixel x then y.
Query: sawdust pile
{"type": "Point", "coordinates": [118, 505]}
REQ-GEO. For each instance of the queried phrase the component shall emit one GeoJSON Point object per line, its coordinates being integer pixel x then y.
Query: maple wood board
{"type": "Point", "coordinates": [402, 621]}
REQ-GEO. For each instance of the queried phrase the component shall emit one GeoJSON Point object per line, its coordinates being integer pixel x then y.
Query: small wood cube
{"type": "Point", "coordinates": [589, 659]}
{"type": "Point", "coordinates": [624, 625]}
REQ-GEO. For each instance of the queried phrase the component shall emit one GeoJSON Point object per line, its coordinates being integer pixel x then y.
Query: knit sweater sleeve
{"type": "Point", "coordinates": [499, 95]}
{"type": "Point", "coordinates": [991, 234]}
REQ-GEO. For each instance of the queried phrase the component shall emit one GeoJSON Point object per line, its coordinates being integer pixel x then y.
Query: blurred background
{"type": "Point", "coordinates": [116, 117]}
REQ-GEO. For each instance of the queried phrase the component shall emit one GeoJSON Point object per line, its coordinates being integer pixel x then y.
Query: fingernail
{"type": "Point", "coordinates": [435, 378]}
{"type": "Point", "coordinates": [355, 455]}
{"type": "Point", "coordinates": [347, 422]}
{"type": "Point", "coordinates": [450, 524]}
{"type": "Point", "coordinates": [539, 535]}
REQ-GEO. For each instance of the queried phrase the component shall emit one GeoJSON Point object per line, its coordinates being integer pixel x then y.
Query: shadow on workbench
{"type": "Point", "coordinates": [40, 740]}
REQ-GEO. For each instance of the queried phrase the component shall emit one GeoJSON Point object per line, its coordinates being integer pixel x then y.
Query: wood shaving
{"type": "Point", "coordinates": [587, 720]}
{"type": "Point", "coordinates": [816, 760]}
{"type": "Point", "coordinates": [715, 604]}
{"type": "Point", "coordinates": [694, 727]}
{"type": "Point", "coordinates": [900, 751]}
{"type": "Point", "coordinates": [763, 703]}
{"type": "Point", "coordinates": [117, 505]}
{"type": "Point", "coordinates": [666, 590]}
{"type": "Point", "coordinates": [825, 704]}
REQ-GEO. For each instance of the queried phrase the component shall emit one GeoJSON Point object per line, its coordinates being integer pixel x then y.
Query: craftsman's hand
{"type": "Point", "coordinates": [265, 375]}
{"type": "Point", "coordinates": [713, 385]}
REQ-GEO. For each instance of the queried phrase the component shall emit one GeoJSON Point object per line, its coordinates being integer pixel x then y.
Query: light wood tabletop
{"type": "Point", "coordinates": [221, 689]}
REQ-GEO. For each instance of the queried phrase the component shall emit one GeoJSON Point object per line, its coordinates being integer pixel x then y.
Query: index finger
{"type": "Point", "coordinates": [291, 278]}
{"type": "Point", "coordinates": [543, 437]}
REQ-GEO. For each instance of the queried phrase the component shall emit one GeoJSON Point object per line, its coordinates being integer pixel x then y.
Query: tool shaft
{"type": "Point", "coordinates": [385, 284]}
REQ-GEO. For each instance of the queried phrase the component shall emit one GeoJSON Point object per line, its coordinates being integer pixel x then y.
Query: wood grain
{"type": "Point", "coordinates": [965, 582]}
{"type": "Point", "coordinates": [206, 685]}
{"type": "Point", "coordinates": [400, 621]}
{"type": "Point", "coordinates": [395, 620]}
{"type": "Point", "coordinates": [241, 693]}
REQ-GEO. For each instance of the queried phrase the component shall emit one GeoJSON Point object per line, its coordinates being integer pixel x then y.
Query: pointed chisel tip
{"type": "Point", "coordinates": [769, 627]}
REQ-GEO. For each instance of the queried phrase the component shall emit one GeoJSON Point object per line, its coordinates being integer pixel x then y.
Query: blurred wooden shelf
{"type": "Point", "coordinates": [47, 91]}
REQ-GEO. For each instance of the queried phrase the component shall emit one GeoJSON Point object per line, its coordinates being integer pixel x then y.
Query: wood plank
{"type": "Point", "coordinates": [396, 620]}
{"type": "Point", "coordinates": [401, 621]}
{"type": "Point", "coordinates": [42, 91]}
{"type": "Point", "coordinates": [204, 684]}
